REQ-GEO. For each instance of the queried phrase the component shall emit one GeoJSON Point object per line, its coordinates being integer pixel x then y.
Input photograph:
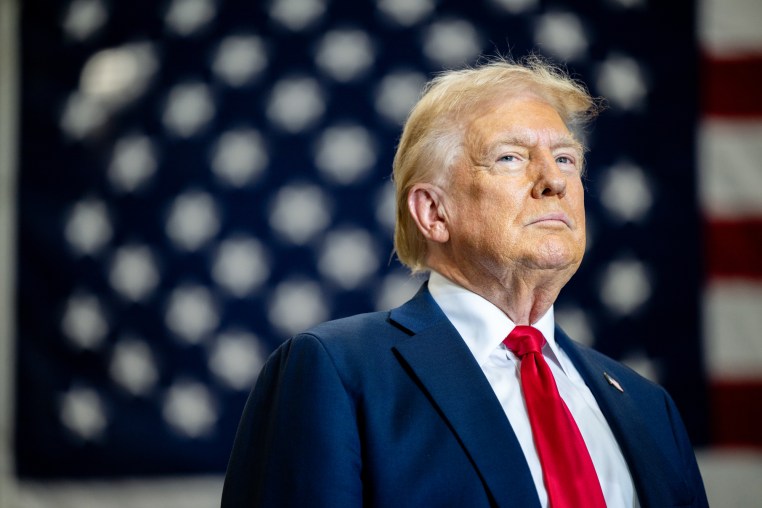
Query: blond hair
{"type": "Point", "coordinates": [433, 134]}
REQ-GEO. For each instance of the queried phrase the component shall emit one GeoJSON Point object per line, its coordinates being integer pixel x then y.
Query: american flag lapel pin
{"type": "Point", "coordinates": [613, 382]}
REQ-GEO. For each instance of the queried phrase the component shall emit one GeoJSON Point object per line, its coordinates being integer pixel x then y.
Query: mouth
{"type": "Point", "coordinates": [550, 219]}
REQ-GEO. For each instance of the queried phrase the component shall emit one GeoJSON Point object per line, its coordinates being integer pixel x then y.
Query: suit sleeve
{"type": "Point", "coordinates": [692, 473]}
{"type": "Point", "coordinates": [297, 443]}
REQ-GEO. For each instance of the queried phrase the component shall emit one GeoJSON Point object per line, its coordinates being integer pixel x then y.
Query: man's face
{"type": "Point", "coordinates": [516, 196]}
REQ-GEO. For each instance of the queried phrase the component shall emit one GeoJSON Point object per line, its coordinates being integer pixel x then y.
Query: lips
{"type": "Point", "coordinates": [550, 218]}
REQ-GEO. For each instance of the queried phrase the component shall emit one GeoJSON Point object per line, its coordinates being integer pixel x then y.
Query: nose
{"type": "Point", "coordinates": [549, 180]}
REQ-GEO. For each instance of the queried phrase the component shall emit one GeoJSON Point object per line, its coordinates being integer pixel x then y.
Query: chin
{"type": "Point", "coordinates": [551, 264]}
{"type": "Point", "coordinates": [556, 255]}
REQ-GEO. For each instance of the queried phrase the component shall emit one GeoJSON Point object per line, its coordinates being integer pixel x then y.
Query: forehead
{"type": "Point", "coordinates": [528, 120]}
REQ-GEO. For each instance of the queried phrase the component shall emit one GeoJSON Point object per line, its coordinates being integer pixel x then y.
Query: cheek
{"type": "Point", "coordinates": [575, 195]}
{"type": "Point", "coordinates": [575, 206]}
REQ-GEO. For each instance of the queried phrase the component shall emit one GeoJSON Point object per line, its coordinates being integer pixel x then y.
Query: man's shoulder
{"type": "Point", "coordinates": [360, 334]}
{"type": "Point", "coordinates": [379, 326]}
{"type": "Point", "coordinates": [619, 371]}
{"type": "Point", "coordinates": [357, 347]}
{"type": "Point", "coordinates": [350, 325]}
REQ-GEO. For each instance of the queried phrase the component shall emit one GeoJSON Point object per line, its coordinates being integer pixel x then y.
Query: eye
{"type": "Point", "coordinates": [508, 158]}
{"type": "Point", "coordinates": [563, 159]}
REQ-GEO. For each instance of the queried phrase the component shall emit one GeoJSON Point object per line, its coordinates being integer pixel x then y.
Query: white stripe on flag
{"type": "Point", "coordinates": [730, 168]}
{"type": "Point", "coordinates": [730, 26]}
{"type": "Point", "coordinates": [188, 492]}
{"type": "Point", "coordinates": [732, 323]}
{"type": "Point", "coordinates": [732, 477]}
{"type": "Point", "coordinates": [9, 106]}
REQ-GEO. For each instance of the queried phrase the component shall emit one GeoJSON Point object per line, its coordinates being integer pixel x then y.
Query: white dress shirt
{"type": "Point", "coordinates": [483, 327]}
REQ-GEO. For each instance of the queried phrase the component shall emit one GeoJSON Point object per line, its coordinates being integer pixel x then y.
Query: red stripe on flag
{"type": "Point", "coordinates": [734, 248]}
{"type": "Point", "coordinates": [737, 412]}
{"type": "Point", "coordinates": [731, 86]}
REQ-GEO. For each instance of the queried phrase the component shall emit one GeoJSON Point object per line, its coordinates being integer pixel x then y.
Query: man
{"type": "Point", "coordinates": [468, 395]}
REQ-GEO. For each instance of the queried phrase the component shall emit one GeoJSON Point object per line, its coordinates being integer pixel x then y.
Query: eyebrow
{"type": "Point", "coordinates": [529, 140]}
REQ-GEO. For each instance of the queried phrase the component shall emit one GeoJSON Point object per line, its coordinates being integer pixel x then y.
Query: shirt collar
{"type": "Point", "coordinates": [480, 323]}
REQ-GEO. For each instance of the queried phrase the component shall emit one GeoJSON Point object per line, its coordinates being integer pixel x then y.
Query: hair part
{"type": "Point", "coordinates": [432, 138]}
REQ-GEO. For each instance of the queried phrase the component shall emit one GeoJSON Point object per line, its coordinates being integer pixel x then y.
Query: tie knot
{"type": "Point", "coordinates": [524, 339]}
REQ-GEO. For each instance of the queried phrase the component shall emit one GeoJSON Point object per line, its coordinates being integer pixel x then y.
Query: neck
{"type": "Point", "coordinates": [524, 295]}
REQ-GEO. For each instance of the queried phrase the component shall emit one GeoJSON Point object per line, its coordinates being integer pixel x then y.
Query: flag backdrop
{"type": "Point", "coordinates": [730, 170]}
{"type": "Point", "coordinates": [200, 179]}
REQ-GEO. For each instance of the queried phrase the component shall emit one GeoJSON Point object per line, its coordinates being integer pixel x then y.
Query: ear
{"type": "Point", "coordinates": [425, 203]}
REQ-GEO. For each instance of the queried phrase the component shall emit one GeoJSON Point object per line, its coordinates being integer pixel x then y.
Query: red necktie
{"type": "Point", "coordinates": [570, 477]}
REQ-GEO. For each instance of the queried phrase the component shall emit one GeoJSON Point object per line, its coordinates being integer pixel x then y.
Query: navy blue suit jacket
{"type": "Point", "coordinates": [390, 409]}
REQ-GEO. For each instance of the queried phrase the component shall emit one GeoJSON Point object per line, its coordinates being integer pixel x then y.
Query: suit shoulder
{"type": "Point", "coordinates": [620, 371]}
{"type": "Point", "coordinates": [357, 347]}
{"type": "Point", "coordinates": [361, 334]}
{"type": "Point", "coordinates": [349, 326]}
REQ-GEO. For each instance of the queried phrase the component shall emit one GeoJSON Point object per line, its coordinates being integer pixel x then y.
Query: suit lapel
{"type": "Point", "coordinates": [446, 371]}
{"type": "Point", "coordinates": [649, 467]}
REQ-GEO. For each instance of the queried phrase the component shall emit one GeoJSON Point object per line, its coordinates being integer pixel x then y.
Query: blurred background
{"type": "Point", "coordinates": [186, 183]}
